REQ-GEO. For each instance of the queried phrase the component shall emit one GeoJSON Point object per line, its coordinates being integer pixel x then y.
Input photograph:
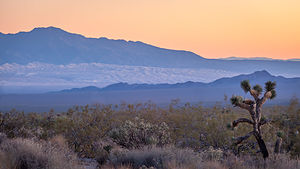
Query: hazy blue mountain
{"type": "Point", "coordinates": [258, 77]}
{"type": "Point", "coordinates": [252, 58]}
{"type": "Point", "coordinates": [297, 60]}
{"type": "Point", "coordinates": [126, 86]}
{"type": "Point", "coordinates": [83, 89]}
{"type": "Point", "coordinates": [193, 92]}
{"type": "Point", "coordinates": [55, 46]}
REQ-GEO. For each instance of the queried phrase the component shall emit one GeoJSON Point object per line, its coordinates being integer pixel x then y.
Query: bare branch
{"type": "Point", "coordinates": [267, 95]}
{"type": "Point", "coordinates": [254, 94]}
{"type": "Point", "coordinates": [241, 120]}
{"type": "Point", "coordinates": [265, 121]}
{"type": "Point", "coordinates": [239, 140]}
{"type": "Point", "coordinates": [249, 102]}
{"type": "Point", "coordinates": [244, 106]}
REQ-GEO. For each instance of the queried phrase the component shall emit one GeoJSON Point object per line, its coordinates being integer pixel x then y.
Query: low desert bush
{"type": "Point", "coordinates": [138, 133]}
{"type": "Point", "coordinates": [212, 154]}
{"type": "Point", "coordinates": [179, 158]}
{"type": "Point", "coordinates": [101, 150]}
{"type": "Point", "coordinates": [159, 158]}
{"type": "Point", "coordinates": [281, 161]}
{"type": "Point", "coordinates": [28, 154]}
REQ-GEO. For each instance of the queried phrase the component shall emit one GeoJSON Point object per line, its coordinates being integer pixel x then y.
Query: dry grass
{"type": "Point", "coordinates": [174, 158]}
{"type": "Point", "coordinates": [2, 137]}
{"type": "Point", "coordinates": [213, 165]}
{"type": "Point", "coordinates": [160, 158]}
{"type": "Point", "coordinates": [28, 154]}
{"type": "Point", "coordinates": [114, 167]}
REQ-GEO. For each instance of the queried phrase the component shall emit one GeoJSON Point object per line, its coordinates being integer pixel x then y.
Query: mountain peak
{"type": "Point", "coordinates": [262, 73]}
{"type": "Point", "coordinates": [44, 31]}
{"type": "Point", "coordinates": [50, 28]}
{"type": "Point", "coordinates": [83, 89]}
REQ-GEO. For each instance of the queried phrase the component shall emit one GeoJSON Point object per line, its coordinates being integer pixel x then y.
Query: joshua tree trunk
{"type": "Point", "coordinates": [262, 145]}
{"type": "Point", "coordinates": [254, 108]}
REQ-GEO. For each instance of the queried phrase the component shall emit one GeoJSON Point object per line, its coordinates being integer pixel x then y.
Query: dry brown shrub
{"type": "Point", "coordinates": [2, 137]}
{"type": "Point", "coordinates": [213, 165]}
{"type": "Point", "coordinates": [115, 167]}
{"type": "Point", "coordinates": [59, 141]}
{"type": "Point", "coordinates": [281, 161]}
{"type": "Point", "coordinates": [159, 158]}
{"type": "Point", "coordinates": [28, 154]}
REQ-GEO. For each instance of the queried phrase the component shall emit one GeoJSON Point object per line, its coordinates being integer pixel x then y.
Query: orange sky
{"type": "Point", "coordinates": [210, 28]}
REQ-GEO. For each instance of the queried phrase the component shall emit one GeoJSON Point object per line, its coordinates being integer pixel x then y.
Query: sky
{"type": "Point", "coordinates": [210, 28]}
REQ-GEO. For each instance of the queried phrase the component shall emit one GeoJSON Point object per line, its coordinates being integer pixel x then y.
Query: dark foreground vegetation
{"type": "Point", "coordinates": [146, 136]}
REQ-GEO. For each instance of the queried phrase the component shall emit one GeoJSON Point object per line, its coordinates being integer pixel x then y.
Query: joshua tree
{"type": "Point", "coordinates": [255, 109]}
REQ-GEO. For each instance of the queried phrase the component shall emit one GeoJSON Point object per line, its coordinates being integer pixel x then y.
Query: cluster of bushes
{"type": "Point", "coordinates": [145, 135]}
{"type": "Point", "coordinates": [178, 158]}
{"type": "Point", "coordinates": [19, 153]}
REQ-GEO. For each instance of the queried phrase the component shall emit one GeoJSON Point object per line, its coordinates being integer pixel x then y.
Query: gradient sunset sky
{"type": "Point", "coordinates": [210, 28]}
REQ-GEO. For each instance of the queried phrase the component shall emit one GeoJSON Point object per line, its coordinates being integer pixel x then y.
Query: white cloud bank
{"type": "Point", "coordinates": [98, 74]}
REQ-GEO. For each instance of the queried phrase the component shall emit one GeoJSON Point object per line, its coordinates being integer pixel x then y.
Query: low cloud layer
{"type": "Point", "coordinates": [98, 74]}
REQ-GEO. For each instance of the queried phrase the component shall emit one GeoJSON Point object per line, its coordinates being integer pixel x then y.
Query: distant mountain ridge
{"type": "Point", "coordinates": [256, 58]}
{"type": "Point", "coordinates": [161, 94]}
{"type": "Point", "coordinates": [258, 77]}
{"type": "Point", "coordinates": [55, 46]}
{"type": "Point", "coordinates": [247, 58]}
{"type": "Point", "coordinates": [126, 86]}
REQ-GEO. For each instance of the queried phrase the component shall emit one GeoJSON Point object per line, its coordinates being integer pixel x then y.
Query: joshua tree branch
{"type": "Point", "coordinates": [249, 102]}
{"type": "Point", "coordinates": [241, 139]}
{"type": "Point", "coordinates": [244, 106]}
{"type": "Point", "coordinates": [241, 120]}
{"type": "Point", "coordinates": [263, 122]}
{"type": "Point", "coordinates": [254, 94]}
{"type": "Point", "coordinates": [267, 96]}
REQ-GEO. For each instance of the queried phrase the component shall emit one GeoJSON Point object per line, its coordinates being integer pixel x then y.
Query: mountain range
{"type": "Point", "coordinates": [52, 68]}
{"type": "Point", "coordinates": [53, 45]}
{"type": "Point", "coordinates": [162, 94]}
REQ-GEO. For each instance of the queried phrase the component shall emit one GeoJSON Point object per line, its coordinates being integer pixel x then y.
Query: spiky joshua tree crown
{"type": "Point", "coordinates": [256, 91]}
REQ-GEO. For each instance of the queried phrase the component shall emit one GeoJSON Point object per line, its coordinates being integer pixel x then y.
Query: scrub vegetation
{"type": "Point", "coordinates": [184, 136]}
